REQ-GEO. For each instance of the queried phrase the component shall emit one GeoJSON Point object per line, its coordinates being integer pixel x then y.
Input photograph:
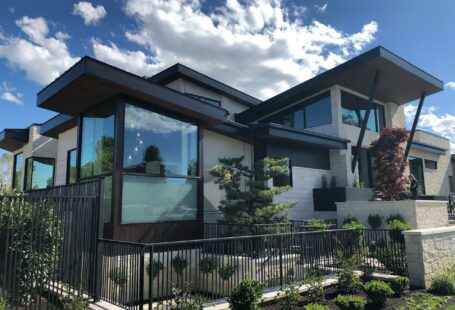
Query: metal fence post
{"type": "Point", "coordinates": [99, 254]}
{"type": "Point", "coordinates": [141, 279]}
{"type": "Point", "coordinates": [281, 258]}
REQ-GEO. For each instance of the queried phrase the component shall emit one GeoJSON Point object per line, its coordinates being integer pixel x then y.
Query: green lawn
{"type": "Point", "coordinates": [451, 307]}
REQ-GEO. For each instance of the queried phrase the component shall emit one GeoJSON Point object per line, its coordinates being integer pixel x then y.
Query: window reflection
{"type": "Point", "coordinates": [18, 170]}
{"type": "Point", "coordinates": [71, 167]}
{"type": "Point", "coordinates": [353, 110]}
{"type": "Point", "coordinates": [39, 173]}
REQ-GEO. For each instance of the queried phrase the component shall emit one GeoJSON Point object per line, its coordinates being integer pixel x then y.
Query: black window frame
{"type": "Point", "coordinates": [31, 177]}
{"type": "Point", "coordinates": [214, 102]}
{"type": "Point", "coordinates": [451, 184]}
{"type": "Point", "coordinates": [431, 164]}
{"type": "Point", "coordinates": [68, 163]}
{"type": "Point", "coordinates": [13, 183]}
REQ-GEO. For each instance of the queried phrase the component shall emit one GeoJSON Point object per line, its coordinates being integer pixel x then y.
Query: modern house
{"type": "Point", "coordinates": [154, 139]}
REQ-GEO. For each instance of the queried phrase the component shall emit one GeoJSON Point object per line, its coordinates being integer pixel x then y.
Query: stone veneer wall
{"type": "Point", "coordinates": [418, 213]}
{"type": "Point", "coordinates": [429, 251]}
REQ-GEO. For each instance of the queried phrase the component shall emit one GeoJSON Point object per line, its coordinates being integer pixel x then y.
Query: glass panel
{"type": "Point", "coordinates": [71, 170]}
{"type": "Point", "coordinates": [154, 199]}
{"type": "Point", "coordinates": [318, 113]}
{"type": "Point", "coordinates": [18, 170]}
{"type": "Point", "coordinates": [416, 169]}
{"type": "Point", "coordinates": [97, 144]}
{"type": "Point", "coordinates": [40, 173]}
{"type": "Point", "coordinates": [380, 116]}
{"type": "Point", "coordinates": [107, 199]}
{"type": "Point", "coordinates": [159, 145]}
{"type": "Point", "coordinates": [353, 110]}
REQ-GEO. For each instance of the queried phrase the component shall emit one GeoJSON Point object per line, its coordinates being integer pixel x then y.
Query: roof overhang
{"type": "Point", "coordinates": [90, 82]}
{"type": "Point", "coordinates": [13, 139]}
{"type": "Point", "coordinates": [400, 82]}
{"type": "Point", "coordinates": [180, 71]}
{"type": "Point", "coordinates": [428, 148]}
{"type": "Point", "coordinates": [56, 125]}
{"type": "Point", "coordinates": [282, 133]}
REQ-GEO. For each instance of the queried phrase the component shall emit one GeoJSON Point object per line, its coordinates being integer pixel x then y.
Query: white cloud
{"type": "Point", "coordinates": [441, 124]}
{"type": "Point", "coordinates": [322, 8]}
{"type": "Point", "coordinates": [10, 93]}
{"type": "Point", "coordinates": [10, 97]}
{"type": "Point", "coordinates": [91, 14]}
{"type": "Point", "coordinates": [450, 85]}
{"type": "Point", "coordinates": [258, 46]}
{"type": "Point", "coordinates": [42, 56]}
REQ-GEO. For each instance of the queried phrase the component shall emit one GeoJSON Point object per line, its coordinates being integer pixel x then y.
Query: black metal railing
{"type": "Point", "coordinates": [48, 241]}
{"type": "Point", "coordinates": [451, 207]}
{"type": "Point", "coordinates": [134, 275]}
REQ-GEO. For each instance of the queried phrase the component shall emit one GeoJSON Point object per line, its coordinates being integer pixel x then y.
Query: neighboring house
{"type": "Point", "coordinates": [153, 140]}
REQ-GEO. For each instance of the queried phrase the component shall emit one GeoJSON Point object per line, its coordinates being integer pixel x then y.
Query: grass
{"type": "Point", "coordinates": [424, 301]}
{"type": "Point", "coordinates": [451, 307]}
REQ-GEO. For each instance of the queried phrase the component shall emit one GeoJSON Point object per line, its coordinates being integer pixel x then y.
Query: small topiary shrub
{"type": "Point", "coordinates": [374, 220]}
{"type": "Point", "coordinates": [378, 291]}
{"type": "Point", "coordinates": [119, 276]}
{"type": "Point", "coordinates": [207, 265]}
{"type": "Point", "coordinates": [350, 302]}
{"type": "Point", "coordinates": [443, 283]}
{"type": "Point", "coordinates": [315, 292]}
{"type": "Point", "coordinates": [315, 307]}
{"type": "Point", "coordinates": [72, 303]}
{"type": "Point", "coordinates": [246, 296]}
{"type": "Point", "coordinates": [358, 233]}
{"type": "Point", "coordinates": [226, 271]}
{"type": "Point", "coordinates": [289, 298]}
{"type": "Point", "coordinates": [393, 217]}
{"type": "Point", "coordinates": [399, 285]}
{"type": "Point", "coordinates": [179, 264]}
{"type": "Point", "coordinates": [348, 280]}
{"type": "Point", "coordinates": [350, 219]}
{"type": "Point", "coordinates": [396, 227]}
{"type": "Point", "coordinates": [316, 224]}
{"type": "Point", "coordinates": [153, 268]}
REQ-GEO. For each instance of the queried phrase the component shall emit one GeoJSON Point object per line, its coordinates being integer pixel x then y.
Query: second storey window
{"type": "Point", "coordinates": [18, 170]}
{"type": "Point", "coordinates": [353, 110]}
{"type": "Point", "coordinates": [39, 173]}
{"type": "Point", "coordinates": [71, 167]}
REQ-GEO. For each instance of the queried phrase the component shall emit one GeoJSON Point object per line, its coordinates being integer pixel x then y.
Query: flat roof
{"type": "Point", "coordinates": [13, 139]}
{"type": "Point", "coordinates": [428, 148]}
{"type": "Point", "coordinates": [399, 82]}
{"type": "Point", "coordinates": [90, 82]}
{"type": "Point", "coordinates": [56, 125]}
{"type": "Point", "coordinates": [180, 71]}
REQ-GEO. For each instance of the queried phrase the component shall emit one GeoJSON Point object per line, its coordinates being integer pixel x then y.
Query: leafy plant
{"type": "Point", "coordinates": [333, 182]}
{"type": "Point", "coordinates": [179, 264]}
{"type": "Point", "coordinates": [378, 291]}
{"type": "Point", "coordinates": [315, 307]}
{"type": "Point", "coordinates": [443, 283]}
{"type": "Point", "coordinates": [393, 217]}
{"type": "Point", "coordinates": [74, 303]}
{"type": "Point", "coordinates": [386, 253]}
{"type": "Point", "coordinates": [399, 285]}
{"type": "Point", "coordinates": [119, 276]}
{"type": "Point", "coordinates": [226, 271]}
{"type": "Point", "coordinates": [324, 181]}
{"type": "Point", "coordinates": [315, 292]}
{"type": "Point", "coordinates": [390, 182]}
{"type": "Point", "coordinates": [249, 199]}
{"type": "Point", "coordinates": [247, 295]}
{"type": "Point", "coordinates": [184, 300]}
{"type": "Point", "coordinates": [350, 219]}
{"type": "Point", "coordinates": [396, 227]}
{"type": "Point", "coordinates": [153, 268]}
{"type": "Point", "coordinates": [350, 302]}
{"type": "Point", "coordinates": [289, 298]}
{"type": "Point", "coordinates": [207, 265]}
{"type": "Point", "coordinates": [375, 221]}
{"type": "Point", "coordinates": [359, 230]}
{"type": "Point", "coordinates": [348, 280]}
{"type": "Point", "coordinates": [316, 224]}
{"type": "Point", "coordinates": [4, 305]}
{"type": "Point", "coordinates": [424, 301]}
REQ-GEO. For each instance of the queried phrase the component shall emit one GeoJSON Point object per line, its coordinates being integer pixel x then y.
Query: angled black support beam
{"type": "Point", "coordinates": [414, 124]}
{"type": "Point", "coordinates": [365, 120]}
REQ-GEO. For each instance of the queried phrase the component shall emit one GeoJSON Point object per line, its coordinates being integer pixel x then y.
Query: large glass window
{"type": "Point", "coordinates": [416, 169]}
{"type": "Point", "coordinates": [311, 113]}
{"type": "Point", "coordinates": [160, 168]}
{"type": "Point", "coordinates": [39, 173]}
{"type": "Point", "coordinates": [18, 170]}
{"type": "Point", "coordinates": [97, 142]}
{"type": "Point", "coordinates": [71, 167]}
{"type": "Point", "coordinates": [353, 110]}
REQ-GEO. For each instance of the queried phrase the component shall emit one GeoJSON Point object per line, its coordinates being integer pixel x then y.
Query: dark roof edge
{"type": "Point", "coordinates": [428, 147]}
{"type": "Point", "coordinates": [179, 70]}
{"type": "Point", "coordinates": [57, 124]}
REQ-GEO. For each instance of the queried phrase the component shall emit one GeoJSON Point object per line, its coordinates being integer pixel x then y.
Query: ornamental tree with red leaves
{"type": "Point", "coordinates": [390, 182]}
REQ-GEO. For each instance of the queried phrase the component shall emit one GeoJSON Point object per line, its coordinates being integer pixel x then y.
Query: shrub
{"type": "Point", "coordinates": [350, 302]}
{"type": "Point", "coordinates": [399, 285]}
{"type": "Point", "coordinates": [247, 295]}
{"type": "Point", "coordinates": [226, 271]}
{"type": "Point", "coordinates": [396, 228]}
{"type": "Point", "coordinates": [74, 303]}
{"type": "Point", "coordinates": [184, 300]}
{"type": "Point", "coordinates": [323, 181]}
{"type": "Point", "coordinates": [348, 280]}
{"type": "Point", "coordinates": [317, 224]}
{"type": "Point", "coordinates": [3, 305]}
{"type": "Point", "coordinates": [374, 220]}
{"type": "Point", "coordinates": [119, 276]}
{"type": "Point", "coordinates": [350, 219]}
{"type": "Point", "coordinates": [386, 253]}
{"type": "Point", "coordinates": [393, 217]}
{"type": "Point", "coordinates": [315, 307]}
{"type": "Point", "coordinates": [378, 291]}
{"type": "Point", "coordinates": [153, 268]}
{"type": "Point", "coordinates": [358, 233]}
{"type": "Point", "coordinates": [315, 291]}
{"type": "Point", "coordinates": [289, 298]}
{"type": "Point", "coordinates": [179, 264]}
{"type": "Point", "coordinates": [207, 265]}
{"type": "Point", "coordinates": [333, 182]}
{"type": "Point", "coordinates": [443, 283]}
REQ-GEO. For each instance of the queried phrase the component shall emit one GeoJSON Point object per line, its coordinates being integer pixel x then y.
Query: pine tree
{"type": "Point", "coordinates": [249, 199]}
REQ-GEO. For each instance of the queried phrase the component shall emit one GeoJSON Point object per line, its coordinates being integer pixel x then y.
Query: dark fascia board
{"type": "Point", "coordinates": [428, 148]}
{"type": "Point", "coordinates": [13, 139]}
{"type": "Point", "coordinates": [90, 82]}
{"type": "Point", "coordinates": [56, 125]}
{"type": "Point", "coordinates": [234, 130]}
{"type": "Point", "coordinates": [399, 82]}
{"type": "Point", "coordinates": [180, 71]}
{"type": "Point", "coordinates": [283, 133]}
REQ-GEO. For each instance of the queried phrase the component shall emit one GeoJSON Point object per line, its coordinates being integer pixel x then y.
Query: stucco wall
{"type": "Point", "coordinates": [66, 141]}
{"type": "Point", "coordinates": [418, 213]}
{"type": "Point", "coordinates": [215, 146]}
{"type": "Point", "coordinates": [429, 251]}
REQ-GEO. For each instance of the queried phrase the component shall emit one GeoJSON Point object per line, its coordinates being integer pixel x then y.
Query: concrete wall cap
{"type": "Point", "coordinates": [430, 231]}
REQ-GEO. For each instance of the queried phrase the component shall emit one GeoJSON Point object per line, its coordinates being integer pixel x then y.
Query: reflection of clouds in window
{"type": "Point", "coordinates": [140, 119]}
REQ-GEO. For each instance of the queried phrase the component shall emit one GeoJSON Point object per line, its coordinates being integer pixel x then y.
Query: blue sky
{"type": "Point", "coordinates": [261, 46]}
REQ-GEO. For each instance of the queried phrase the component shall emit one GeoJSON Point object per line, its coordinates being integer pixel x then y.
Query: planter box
{"type": "Point", "coordinates": [419, 213]}
{"type": "Point", "coordinates": [325, 198]}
